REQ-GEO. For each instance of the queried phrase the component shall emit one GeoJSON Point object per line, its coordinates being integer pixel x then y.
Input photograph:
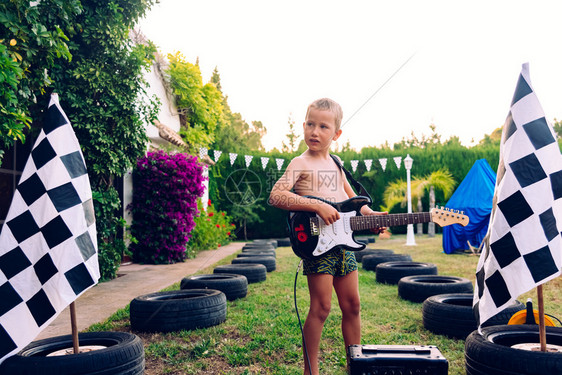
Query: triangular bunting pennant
{"type": "Point", "coordinates": [383, 163]}
{"type": "Point", "coordinates": [217, 154]}
{"type": "Point", "coordinates": [248, 159]}
{"type": "Point", "coordinates": [368, 164]}
{"type": "Point", "coordinates": [264, 161]}
{"type": "Point", "coordinates": [354, 164]}
{"type": "Point", "coordinates": [233, 157]}
{"type": "Point", "coordinates": [203, 151]}
{"type": "Point", "coordinates": [398, 161]}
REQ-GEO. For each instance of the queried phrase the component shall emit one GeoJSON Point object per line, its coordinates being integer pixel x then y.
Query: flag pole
{"type": "Point", "coordinates": [542, 328]}
{"type": "Point", "coordinates": [75, 344]}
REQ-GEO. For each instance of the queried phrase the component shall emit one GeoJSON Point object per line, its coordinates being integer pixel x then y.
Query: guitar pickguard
{"type": "Point", "coordinates": [336, 234]}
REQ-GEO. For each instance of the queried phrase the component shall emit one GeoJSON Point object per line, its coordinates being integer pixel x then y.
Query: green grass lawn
{"type": "Point", "coordinates": [261, 334]}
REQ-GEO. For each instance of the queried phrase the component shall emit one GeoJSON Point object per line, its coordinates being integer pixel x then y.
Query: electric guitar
{"type": "Point", "coordinates": [311, 237]}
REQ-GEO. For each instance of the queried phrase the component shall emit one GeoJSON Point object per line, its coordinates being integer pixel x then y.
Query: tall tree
{"type": "Point", "coordinates": [216, 79]}
{"type": "Point", "coordinates": [200, 105]}
{"type": "Point", "coordinates": [292, 136]}
{"type": "Point", "coordinates": [103, 93]}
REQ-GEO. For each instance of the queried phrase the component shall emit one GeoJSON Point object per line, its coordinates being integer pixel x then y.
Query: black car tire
{"type": "Point", "coordinates": [452, 315]}
{"type": "Point", "coordinates": [360, 254]}
{"type": "Point", "coordinates": [492, 353]}
{"type": "Point", "coordinates": [255, 273]}
{"type": "Point", "coordinates": [250, 246]}
{"type": "Point", "coordinates": [270, 253]}
{"type": "Point", "coordinates": [177, 310]}
{"type": "Point", "coordinates": [417, 288]}
{"type": "Point", "coordinates": [370, 262]}
{"type": "Point", "coordinates": [119, 353]}
{"type": "Point", "coordinates": [268, 261]}
{"type": "Point", "coordinates": [392, 272]}
{"type": "Point", "coordinates": [283, 242]}
{"type": "Point", "coordinates": [232, 285]}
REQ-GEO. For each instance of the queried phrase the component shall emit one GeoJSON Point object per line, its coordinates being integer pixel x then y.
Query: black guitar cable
{"type": "Point", "coordinates": [298, 316]}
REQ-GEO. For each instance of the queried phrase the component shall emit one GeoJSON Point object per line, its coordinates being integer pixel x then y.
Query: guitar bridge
{"type": "Point", "coordinates": [314, 227]}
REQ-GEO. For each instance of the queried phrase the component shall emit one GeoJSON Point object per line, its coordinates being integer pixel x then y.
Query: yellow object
{"type": "Point", "coordinates": [13, 42]}
{"type": "Point", "coordinates": [520, 317]}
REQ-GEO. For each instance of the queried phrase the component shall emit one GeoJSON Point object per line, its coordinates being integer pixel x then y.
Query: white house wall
{"type": "Point", "coordinates": [168, 111]}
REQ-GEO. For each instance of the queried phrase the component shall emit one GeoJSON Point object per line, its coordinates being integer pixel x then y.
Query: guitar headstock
{"type": "Point", "coordinates": [445, 216]}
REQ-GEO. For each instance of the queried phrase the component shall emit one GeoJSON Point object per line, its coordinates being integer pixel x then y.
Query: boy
{"type": "Point", "coordinates": [315, 173]}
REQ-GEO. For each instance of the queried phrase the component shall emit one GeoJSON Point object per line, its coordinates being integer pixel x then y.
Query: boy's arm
{"type": "Point", "coordinates": [282, 197]}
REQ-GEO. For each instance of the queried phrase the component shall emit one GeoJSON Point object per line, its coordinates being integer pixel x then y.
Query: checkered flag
{"type": "Point", "coordinates": [48, 245]}
{"type": "Point", "coordinates": [523, 246]}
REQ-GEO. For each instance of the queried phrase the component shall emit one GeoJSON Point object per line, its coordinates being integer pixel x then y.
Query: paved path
{"type": "Point", "coordinates": [103, 300]}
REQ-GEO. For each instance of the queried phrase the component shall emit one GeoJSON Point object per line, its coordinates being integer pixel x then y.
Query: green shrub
{"type": "Point", "coordinates": [212, 229]}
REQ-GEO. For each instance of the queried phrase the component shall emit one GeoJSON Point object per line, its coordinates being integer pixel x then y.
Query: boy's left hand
{"type": "Point", "coordinates": [367, 211]}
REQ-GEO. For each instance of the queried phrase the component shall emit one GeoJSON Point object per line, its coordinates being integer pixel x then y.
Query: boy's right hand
{"type": "Point", "coordinates": [327, 213]}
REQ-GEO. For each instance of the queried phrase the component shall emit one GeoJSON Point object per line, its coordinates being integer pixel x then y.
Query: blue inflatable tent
{"type": "Point", "coordinates": [473, 196]}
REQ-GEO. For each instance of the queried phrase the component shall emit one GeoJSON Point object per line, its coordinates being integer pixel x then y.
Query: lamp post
{"type": "Point", "coordinates": [410, 238]}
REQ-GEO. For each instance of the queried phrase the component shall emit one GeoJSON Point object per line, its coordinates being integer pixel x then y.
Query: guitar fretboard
{"type": "Point", "coordinates": [374, 221]}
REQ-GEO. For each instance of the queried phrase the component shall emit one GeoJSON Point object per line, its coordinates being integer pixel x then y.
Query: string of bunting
{"type": "Point", "coordinates": [280, 161]}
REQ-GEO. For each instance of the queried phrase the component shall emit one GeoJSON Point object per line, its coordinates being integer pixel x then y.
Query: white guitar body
{"type": "Point", "coordinates": [336, 234]}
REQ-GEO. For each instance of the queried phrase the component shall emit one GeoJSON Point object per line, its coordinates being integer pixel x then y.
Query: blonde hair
{"type": "Point", "coordinates": [326, 104]}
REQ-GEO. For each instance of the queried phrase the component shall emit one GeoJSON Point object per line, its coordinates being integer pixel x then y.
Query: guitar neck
{"type": "Point", "coordinates": [391, 220]}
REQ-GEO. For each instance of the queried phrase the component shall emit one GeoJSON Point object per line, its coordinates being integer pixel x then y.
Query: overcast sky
{"type": "Point", "coordinates": [463, 61]}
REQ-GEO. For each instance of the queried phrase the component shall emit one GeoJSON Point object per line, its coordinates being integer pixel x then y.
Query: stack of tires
{"type": "Point", "coordinates": [258, 252]}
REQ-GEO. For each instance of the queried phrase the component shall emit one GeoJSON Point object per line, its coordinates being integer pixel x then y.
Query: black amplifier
{"type": "Point", "coordinates": [396, 360]}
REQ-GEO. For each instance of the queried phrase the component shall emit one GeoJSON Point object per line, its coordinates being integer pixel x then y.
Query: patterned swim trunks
{"type": "Point", "coordinates": [336, 263]}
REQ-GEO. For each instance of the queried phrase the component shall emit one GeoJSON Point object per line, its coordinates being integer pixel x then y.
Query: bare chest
{"type": "Point", "coordinates": [324, 183]}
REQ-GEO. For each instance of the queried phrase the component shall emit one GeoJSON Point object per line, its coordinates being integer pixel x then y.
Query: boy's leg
{"type": "Point", "coordinates": [347, 290]}
{"type": "Point", "coordinates": [320, 290]}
